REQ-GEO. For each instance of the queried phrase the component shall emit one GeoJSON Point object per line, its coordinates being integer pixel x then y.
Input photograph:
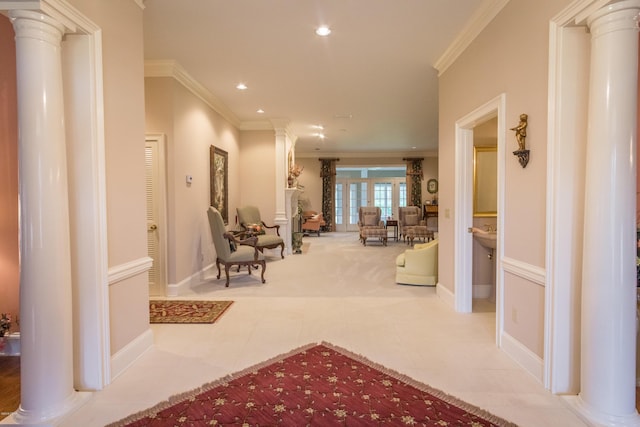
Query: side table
{"type": "Point", "coordinates": [392, 223]}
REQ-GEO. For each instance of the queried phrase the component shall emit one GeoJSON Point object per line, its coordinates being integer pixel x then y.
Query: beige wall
{"type": "Point", "coordinates": [311, 196]}
{"type": "Point", "coordinates": [123, 71]}
{"type": "Point", "coordinates": [510, 56]}
{"type": "Point", "coordinates": [190, 127]}
{"type": "Point", "coordinates": [256, 169]}
{"type": "Point", "coordinates": [9, 271]}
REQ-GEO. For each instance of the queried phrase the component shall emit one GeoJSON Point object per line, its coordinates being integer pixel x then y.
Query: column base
{"type": "Point", "coordinates": [52, 419]}
{"type": "Point", "coordinates": [600, 419]}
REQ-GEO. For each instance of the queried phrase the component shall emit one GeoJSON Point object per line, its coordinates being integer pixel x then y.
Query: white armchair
{"type": "Point", "coordinates": [418, 266]}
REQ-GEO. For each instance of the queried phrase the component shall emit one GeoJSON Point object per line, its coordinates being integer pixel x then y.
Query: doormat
{"type": "Point", "coordinates": [317, 385]}
{"type": "Point", "coordinates": [176, 311]}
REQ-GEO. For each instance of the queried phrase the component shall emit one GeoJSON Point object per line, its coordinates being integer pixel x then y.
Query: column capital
{"type": "Point", "coordinates": [36, 25]}
{"type": "Point", "coordinates": [58, 11]}
{"type": "Point", "coordinates": [627, 16]}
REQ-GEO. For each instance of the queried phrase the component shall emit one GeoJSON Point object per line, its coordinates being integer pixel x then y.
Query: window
{"type": "Point", "coordinates": [339, 209]}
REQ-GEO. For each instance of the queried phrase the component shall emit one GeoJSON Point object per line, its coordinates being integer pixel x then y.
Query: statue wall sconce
{"type": "Point", "coordinates": [521, 134]}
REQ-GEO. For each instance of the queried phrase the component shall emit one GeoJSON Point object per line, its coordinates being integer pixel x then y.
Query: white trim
{"type": "Point", "coordinates": [168, 68]}
{"type": "Point", "coordinates": [524, 270]}
{"type": "Point", "coordinates": [129, 269]}
{"type": "Point", "coordinates": [367, 155]}
{"type": "Point", "coordinates": [463, 243]}
{"type": "Point", "coordinates": [463, 239]}
{"type": "Point", "coordinates": [478, 22]}
{"type": "Point", "coordinates": [173, 290]}
{"type": "Point", "coordinates": [561, 332]}
{"type": "Point", "coordinates": [130, 353]}
{"type": "Point", "coordinates": [530, 361]}
{"type": "Point", "coordinates": [445, 295]}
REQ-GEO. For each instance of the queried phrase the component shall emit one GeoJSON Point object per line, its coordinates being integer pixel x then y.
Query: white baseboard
{"type": "Point", "coordinates": [482, 291]}
{"type": "Point", "coordinates": [530, 361]}
{"type": "Point", "coordinates": [132, 351]}
{"type": "Point", "coordinates": [175, 289]}
{"type": "Point", "coordinates": [446, 295]}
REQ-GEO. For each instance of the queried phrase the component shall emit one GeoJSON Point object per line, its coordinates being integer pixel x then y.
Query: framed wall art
{"type": "Point", "coordinates": [432, 186]}
{"type": "Point", "coordinates": [219, 175]}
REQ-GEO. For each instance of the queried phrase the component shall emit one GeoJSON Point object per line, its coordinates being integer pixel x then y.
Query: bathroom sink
{"type": "Point", "coordinates": [485, 238]}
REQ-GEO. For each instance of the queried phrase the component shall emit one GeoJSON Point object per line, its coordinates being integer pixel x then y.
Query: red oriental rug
{"type": "Point", "coordinates": [175, 311]}
{"type": "Point", "coordinates": [317, 385]}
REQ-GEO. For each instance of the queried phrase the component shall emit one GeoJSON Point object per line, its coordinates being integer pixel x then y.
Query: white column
{"type": "Point", "coordinates": [45, 270]}
{"type": "Point", "coordinates": [609, 279]}
{"type": "Point", "coordinates": [281, 167]}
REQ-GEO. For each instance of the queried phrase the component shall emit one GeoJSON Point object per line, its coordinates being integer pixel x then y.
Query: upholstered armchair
{"type": "Point", "coordinates": [370, 224]}
{"type": "Point", "coordinates": [312, 221]}
{"type": "Point", "coordinates": [410, 217]}
{"type": "Point", "coordinates": [418, 266]}
{"type": "Point", "coordinates": [250, 221]}
{"type": "Point", "coordinates": [230, 251]}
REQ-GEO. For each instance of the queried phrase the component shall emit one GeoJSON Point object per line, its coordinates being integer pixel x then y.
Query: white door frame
{"type": "Point", "coordinates": [160, 206]}
{"type": "Point", "coordinates": [463, 239]}
{"type": "Point", "coordinates": [347, 200]}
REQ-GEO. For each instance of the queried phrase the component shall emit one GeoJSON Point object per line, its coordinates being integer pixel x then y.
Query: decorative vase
{"type": "Point", "coordinates": [290, 181]}
{"type": "Point", "coordinates": [296, 242]}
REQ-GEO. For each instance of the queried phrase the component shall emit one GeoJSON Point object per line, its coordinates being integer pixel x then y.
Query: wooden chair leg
{"type": "Point", "coordinates": [226, 272]}
{"type": "Point", "coordinates": [264, 266]}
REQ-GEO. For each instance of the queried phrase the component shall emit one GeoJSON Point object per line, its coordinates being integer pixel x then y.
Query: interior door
{"type": "Point", "coordinates": [156, 229]}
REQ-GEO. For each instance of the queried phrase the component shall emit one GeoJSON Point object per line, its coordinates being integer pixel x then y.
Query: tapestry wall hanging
{"type": "Point", "coordinates": [219, 165]}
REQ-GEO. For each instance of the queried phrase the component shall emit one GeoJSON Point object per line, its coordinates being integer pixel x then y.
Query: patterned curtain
{"type": "Point", "coordinates": [414, 181]}
{"type": "Point", "coordinates": [328, 175]}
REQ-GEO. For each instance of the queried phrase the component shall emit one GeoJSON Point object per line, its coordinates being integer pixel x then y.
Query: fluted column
{"type": "Point", "coordinates": [45, 266]}
{"type": "Point", "coordinates": [609, 279]}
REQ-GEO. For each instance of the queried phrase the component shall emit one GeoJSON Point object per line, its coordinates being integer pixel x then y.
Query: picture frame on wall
{"type": "Point", "coordinates": [219, 175]}
{"type": "Point", "coordinates": [432, 186]}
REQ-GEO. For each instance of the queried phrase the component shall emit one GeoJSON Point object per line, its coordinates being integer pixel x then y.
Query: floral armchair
{"type": "Point", "coordinates": [251, 223]}
{"type": "Point", "coordinates": [370, 224]}
{"type": "Point", "coordinates": [312, 221]}
{"type": "Point", "coordinates": [410, 219]}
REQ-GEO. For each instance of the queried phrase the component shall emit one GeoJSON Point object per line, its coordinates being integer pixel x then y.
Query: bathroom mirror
{"type": "Point", "coordinates": [485, 181]}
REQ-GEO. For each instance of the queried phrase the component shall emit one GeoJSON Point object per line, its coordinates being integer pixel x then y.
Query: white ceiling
{"type": "Point", "coordinates": [371, 83]}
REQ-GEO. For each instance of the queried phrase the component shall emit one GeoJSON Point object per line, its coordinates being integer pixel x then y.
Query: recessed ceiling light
{"type": "Point", "coordinates": [323, 31]}
{"type": "Point", "coordinates": [260, 111]}
{"type": "Point", "coordinates": [318, 127]}
{"type": "Point", "coordinates": [241, 86]}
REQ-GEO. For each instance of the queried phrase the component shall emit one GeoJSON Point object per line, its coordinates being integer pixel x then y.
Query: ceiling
{"type": "Point", "coordinates": [371, 84]}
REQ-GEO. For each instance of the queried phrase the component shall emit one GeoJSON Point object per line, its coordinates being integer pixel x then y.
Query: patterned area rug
{"type": "Point", "coordinates": [168, 311]}
{"type": "Point", "coordinates": [317, 385]}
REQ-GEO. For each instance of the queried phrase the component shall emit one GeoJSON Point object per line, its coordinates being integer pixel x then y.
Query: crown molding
{"type": "Point", "coordinates": [170, 68]}
{"type": "Point", "coordinates": [366, 154]}
{"type": "Point", "coordinates": [256, 125]}
{"type": "Point", "coordinates": [478, 22]}
{"type": "Point", "coordinates": [140, 3]}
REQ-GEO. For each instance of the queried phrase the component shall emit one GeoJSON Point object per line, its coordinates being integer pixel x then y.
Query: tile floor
{"type": "Point", "coordinates": [343, 293]}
